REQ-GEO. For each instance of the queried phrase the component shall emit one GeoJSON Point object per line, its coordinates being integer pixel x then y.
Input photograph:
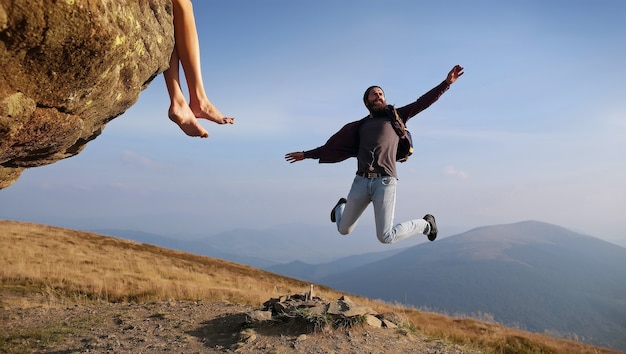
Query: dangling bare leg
{"type": "Point", "coordinates": [179, 111]}
{"type": "Point", "coordinates": [188, 50]}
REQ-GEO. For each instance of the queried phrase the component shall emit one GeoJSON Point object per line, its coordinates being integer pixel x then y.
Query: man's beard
{"type": "Point", "coordinates": [377, 107]}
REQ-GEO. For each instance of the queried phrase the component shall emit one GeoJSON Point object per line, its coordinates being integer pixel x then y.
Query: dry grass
{"type": "Point", "coordinates": [50, 266]}
{"type": "Point", "coordinates": [75, 264]}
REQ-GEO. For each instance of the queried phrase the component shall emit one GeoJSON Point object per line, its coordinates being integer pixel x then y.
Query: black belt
{"type": "Point", "coordinates": [370, 174]}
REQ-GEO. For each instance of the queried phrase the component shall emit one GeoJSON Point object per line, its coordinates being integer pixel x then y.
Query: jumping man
{"type": "Point", "coordinates": [374, 141]}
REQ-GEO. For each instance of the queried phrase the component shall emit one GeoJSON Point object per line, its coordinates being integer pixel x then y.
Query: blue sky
{"type": "Point", "coordinates": [535, 129]}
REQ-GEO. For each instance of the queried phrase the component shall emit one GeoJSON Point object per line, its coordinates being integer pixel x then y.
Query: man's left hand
{"type": "Point", "coordinates": [454, 74]}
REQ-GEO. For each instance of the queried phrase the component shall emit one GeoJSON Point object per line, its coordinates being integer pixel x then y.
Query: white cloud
{"type": "Point", "coordinates": [132, 158]}
{"type": "Point", "coordinates": [453, 172]}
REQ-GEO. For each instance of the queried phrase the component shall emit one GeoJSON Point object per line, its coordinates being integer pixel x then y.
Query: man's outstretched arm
{"type": "Point", "coordinates": [430, 97]}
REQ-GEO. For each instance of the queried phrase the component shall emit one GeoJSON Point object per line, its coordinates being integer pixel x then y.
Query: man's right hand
{"type": "Point", "coordinates": [294, 156]}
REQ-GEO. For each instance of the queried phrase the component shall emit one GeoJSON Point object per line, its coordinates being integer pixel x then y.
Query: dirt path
{"type": "Point", "coordinates": [189, 327]}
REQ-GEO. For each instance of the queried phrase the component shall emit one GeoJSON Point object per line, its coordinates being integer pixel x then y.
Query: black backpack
{"type": "Point", "coordinates": [405, 146]}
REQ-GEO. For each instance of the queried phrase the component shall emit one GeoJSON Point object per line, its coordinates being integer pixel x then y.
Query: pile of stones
{"type": "Point", "coordinates": [319, 313]}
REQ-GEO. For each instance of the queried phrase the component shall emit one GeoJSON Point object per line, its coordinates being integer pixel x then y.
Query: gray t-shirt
{"type": "Point", "coordinates": [378, 143]}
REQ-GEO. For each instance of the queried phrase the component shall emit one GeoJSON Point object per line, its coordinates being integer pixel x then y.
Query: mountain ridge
{"type": "Point", "coordinates": [533, 278]}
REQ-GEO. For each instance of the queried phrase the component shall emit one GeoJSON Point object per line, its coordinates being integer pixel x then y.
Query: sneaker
{"type": "Point", "coordinates": [332, 212]}
{"type": "Point", "coordinates": [432, 235]}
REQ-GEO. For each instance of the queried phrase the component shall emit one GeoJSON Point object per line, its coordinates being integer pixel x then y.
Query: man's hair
{"type": "Point", "coordinates": [367, 93]}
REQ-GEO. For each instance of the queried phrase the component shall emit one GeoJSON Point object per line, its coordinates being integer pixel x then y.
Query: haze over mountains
{"type": "Point", "coordinates": [270, 246]}
{"type": "Point", "coordinates": [533, 275]}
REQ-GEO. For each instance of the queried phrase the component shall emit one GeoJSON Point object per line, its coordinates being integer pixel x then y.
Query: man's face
{"type": "Point", "coordinates": [376, 100]}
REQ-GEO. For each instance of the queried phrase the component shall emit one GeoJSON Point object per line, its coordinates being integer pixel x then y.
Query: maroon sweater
{"type": "Point", "coordinates": [346, 142]}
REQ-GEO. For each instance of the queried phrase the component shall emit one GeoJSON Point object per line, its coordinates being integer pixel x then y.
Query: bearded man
{"type": "Point", "coordinates": [374, 141]}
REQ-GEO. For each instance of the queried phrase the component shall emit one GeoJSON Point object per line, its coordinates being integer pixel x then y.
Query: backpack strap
{"type": "Point", "coordinates": [396, 121]}
{"type": "Point", "coordinates": [405, 146]}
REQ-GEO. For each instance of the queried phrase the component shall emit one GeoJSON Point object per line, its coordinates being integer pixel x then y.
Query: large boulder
{"type": "Point", "coordinates": [68, 67]}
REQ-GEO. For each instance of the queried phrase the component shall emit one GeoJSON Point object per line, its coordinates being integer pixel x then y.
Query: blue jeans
{"type": "Point", "coordinates": [381, 192]}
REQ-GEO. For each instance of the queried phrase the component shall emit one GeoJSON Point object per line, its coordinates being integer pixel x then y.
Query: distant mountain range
{"type": "Point", "coordinates": [532, 275]}
{"type": "Point", "coordinates": [263, 248]}
{"type": "Point", "coordinates": [199, 247]}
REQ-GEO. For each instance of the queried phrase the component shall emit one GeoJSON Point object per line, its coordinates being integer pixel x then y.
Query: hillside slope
{"type": "Point", "coordinates": [66, 291]}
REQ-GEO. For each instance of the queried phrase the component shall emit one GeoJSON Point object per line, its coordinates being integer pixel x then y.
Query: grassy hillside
{"type": "Point", "coordinates": [53, 267]}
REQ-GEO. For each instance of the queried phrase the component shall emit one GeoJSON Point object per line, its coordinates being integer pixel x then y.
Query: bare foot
{"type": "Point", "coordinates": [186, 120]}
{"type": "Point", "coordinates": [208, 111]}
